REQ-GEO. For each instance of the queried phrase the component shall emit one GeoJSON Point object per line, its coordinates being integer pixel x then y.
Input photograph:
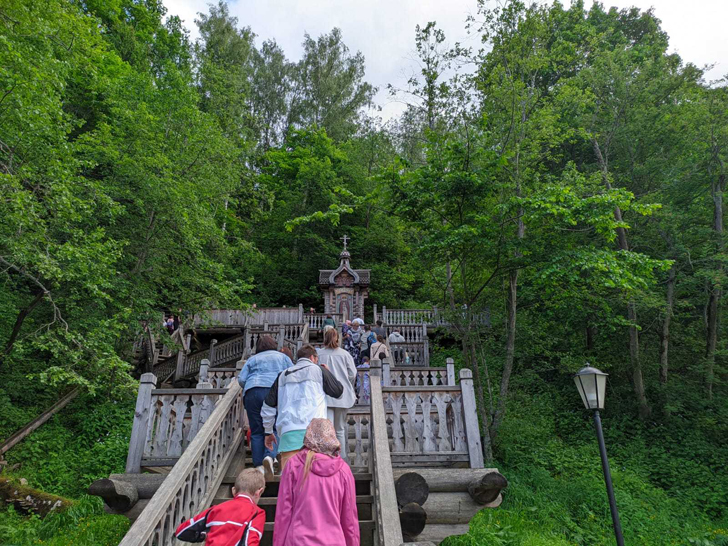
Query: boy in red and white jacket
{"type": "Point", "coordinates": [237, 522]}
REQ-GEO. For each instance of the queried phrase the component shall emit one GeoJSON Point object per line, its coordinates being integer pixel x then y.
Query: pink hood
{"type": "Point", "coordinates": [322, 512]}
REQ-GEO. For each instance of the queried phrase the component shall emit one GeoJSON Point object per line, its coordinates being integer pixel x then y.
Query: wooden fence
{"type": "Point", "coordinates": [195, 478]}
{"type": "Point", "coordinates": [316, 320]}
{"type": "Point", "coordinates": [428, 424]}
{"type": "Point", "coordinates": [237, 318]}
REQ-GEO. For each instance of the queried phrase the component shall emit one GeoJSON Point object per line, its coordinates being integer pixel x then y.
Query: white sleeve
{"type": "Point", "coordinates": [269, 418]}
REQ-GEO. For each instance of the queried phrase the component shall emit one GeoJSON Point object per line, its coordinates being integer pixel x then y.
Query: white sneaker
{"type": "Point", "coordinates": [268, 471]}
{"type": "Point", "coordinates": [260, 469]}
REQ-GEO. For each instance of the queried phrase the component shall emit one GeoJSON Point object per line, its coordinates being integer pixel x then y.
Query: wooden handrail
{"type": "Point", "coordinates": [184, 492]}
{"type": "Point", "coordinates": [387, 512]}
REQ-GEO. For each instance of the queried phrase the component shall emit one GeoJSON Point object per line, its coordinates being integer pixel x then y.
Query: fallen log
{"type": "Point", "coordinates": [118, 495]}
{"type": "Point", "coordinates": [411, 487]}
{"type": "Point", "coordinates": [28, 500]}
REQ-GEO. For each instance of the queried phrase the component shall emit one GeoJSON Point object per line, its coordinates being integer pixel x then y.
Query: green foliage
{"type": "Point", "coordinates": [556, 488]}
{"type": "Point", "coordinates": [87, 441]}
{"type": "Point", "coordinates": [84, 524]}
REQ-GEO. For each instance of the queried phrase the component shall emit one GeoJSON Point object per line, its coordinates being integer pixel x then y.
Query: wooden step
{"type": "Point", "coordinates": [268, 504]}
{"type": "Point", "coordinates": [366, 529]}
{"type": "Point", "coordinates": [358, 476]}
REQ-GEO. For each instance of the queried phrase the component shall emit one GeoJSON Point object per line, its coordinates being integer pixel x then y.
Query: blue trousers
{"type": "Point", "coordinates": [253, 401]}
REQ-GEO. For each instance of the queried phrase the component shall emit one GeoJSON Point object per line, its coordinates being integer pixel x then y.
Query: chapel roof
{"type": "Point", "coordinates": [328, 276]}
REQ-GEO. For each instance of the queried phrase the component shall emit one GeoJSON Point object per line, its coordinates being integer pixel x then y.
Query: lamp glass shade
{"type": "Point", "coordinates": [592, 385]}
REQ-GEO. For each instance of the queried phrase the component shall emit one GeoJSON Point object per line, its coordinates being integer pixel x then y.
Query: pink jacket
{"type": "Point", "coordinates": [323, 512]}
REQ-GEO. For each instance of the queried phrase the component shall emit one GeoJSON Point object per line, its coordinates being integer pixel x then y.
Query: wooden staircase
{"type": "Point", "coordinates": [420, 419]}
{"type": "Point", "coordinates": [268, 502]}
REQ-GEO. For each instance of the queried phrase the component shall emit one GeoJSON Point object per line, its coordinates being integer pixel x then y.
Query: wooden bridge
{"type": "Point", "coordinates": [187, 444]}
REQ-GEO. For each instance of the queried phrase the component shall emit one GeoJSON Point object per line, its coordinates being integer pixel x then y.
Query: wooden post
{"type": "Point", "coordinates": [204, 382]}
{"type": "Point", "coordinates": [470, 412]}
{"type": "Point", "coordinates": [375, 314]}
{"type": "Point", "coordinates": [388, 528]}
{"type": "Point", "coordinates": [243, 414]}
{"type": "Point", "coordinates": [212, 352]}
{"type": "Point", "coordinates": [142, 412]}
{"type": "Point", "coordinates": [426, 345]}
{"type": "Point", "coordinates": [386, 373]}
{"type": "Point", "coordinates": [204, 366]}
{"type": "Point", "coordinates": [281, 335]}
{"type": "Point", "coordinates": [450, 364]}
{"type": "Point", "coordinates": [180, 369]}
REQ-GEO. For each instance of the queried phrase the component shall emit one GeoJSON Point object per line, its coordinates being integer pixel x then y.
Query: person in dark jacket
{"type": "Point", "coordinates": [238, 521]}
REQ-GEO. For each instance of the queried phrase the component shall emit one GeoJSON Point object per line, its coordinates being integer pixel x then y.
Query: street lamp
{"type": "Point", "coordinates": [592, 384]}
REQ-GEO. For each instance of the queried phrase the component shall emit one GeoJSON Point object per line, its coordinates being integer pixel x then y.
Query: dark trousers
{"type": "Point", "coordinates": [253, 401]}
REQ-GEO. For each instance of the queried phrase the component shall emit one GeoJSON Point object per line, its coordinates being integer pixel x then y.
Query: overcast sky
{"type": "Point", "coordinates": [383, 30]}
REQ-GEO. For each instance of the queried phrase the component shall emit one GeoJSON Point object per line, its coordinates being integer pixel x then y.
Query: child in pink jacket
{"type": "Point", "coordinates": [316, 498]}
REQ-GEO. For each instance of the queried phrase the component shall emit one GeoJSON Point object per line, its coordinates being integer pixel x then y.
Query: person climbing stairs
{"type": "Point", "coordinates": [268, 502]}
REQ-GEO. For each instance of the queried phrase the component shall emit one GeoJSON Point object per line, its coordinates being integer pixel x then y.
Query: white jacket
{"type": "Point", "coordinates": [341, 364]}
{"type": "Point", "coordinates": [299, 395]}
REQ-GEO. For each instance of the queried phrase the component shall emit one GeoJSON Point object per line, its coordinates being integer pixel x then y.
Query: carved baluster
{"type": "Point", "coordinates": [396, 401]}
{"type": "Point", "coordinates": [151, 427]}
{"type": "Point", "coordinates": [458, 423]}
{"type": "Point", "coordinates": [174, 448]}
{"type": "Point", "coordinates": [428, 443]}
{"type": "Point", "coordinates": [441, 400]}
{"type": "Point", "coordinates": [359, 459]}
{"type": "Point", "coordinates": [411, 436]}
{"type": "Point", "coordinates": [161, 437]}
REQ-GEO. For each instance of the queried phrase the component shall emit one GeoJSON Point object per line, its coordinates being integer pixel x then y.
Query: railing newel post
{"type": "Point", "coordinates": [142, 413]}
{"type": "Point", "coordinates": [470, 414]}
{"type": "Point", "coordinates": [450, 365]}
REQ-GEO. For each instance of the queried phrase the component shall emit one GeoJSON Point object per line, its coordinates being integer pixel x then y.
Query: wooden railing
{"type": "Point", "coordinates": [251, 339]}
{"type": "Point", "coordinates": [218, 354]}
{"type": "Point", "coordinates": [432, 424]}
{"type": "Point", "coordinates": [166, 421]}
{"type": "Point", "coordinates": [415, 353]}
{"type": "Point", "coordinates": [386, 511]}
{"type": "Point", "coordinates": [412, 334]}
{"type": "Point", "coordinates": [410, 317]}
{"type": "Point", "coordinates": [431, 317]}
{"type": "Point", "coordinates": [406, 377]}
{"type": "Point", "coordinates": [220, 378]}
{"type": "Point", "coordinates": [237, 318]}
{"type": "Point", "coordinates": [193, 481]}
{"type": "Point", "coordinates": [315, 321]}
{"type": "Point", "coordinates": [416, 376]}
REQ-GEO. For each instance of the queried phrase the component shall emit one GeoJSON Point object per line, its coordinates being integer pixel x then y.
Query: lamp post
{"type": "Point", "coordinates": [592, 384]}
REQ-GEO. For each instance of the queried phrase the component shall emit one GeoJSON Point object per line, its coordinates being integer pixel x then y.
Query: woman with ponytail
{"type": "Point", "coordinates": [317, 498]}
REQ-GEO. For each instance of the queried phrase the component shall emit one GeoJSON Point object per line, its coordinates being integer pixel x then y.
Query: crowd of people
{"type": "Point", "coordinates": [297, 412]}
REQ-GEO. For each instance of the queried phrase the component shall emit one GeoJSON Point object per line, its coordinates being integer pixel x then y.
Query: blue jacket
{"type": "Point", "coordinates": [262, 369]}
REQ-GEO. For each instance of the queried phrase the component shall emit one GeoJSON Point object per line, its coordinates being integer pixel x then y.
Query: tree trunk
{"type": "Point", "coordinates": [634, 340]}
{"type": "Point", "coordinates": [665, 333]}
{"type": "Point", "coordinates": [715, 288]}
{"type": "Point", "coordinates": [510, 351]}
{"type": "Point", "coordinates": [19, 323]}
